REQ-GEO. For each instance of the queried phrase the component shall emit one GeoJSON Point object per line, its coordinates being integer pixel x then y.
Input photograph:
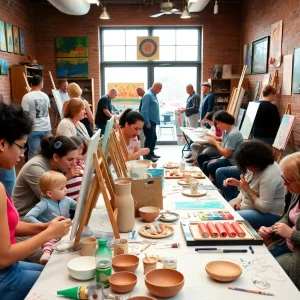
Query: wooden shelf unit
{"type": "Point", "coordinates": [18, 85]}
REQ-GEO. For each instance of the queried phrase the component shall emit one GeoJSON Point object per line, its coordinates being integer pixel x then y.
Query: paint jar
{"type": "Point", "coordinates": [194, 186]}
{"type": "Point", "coordinates": [170, 263]}
{"type": "Point", "coordinates": [149, 264]}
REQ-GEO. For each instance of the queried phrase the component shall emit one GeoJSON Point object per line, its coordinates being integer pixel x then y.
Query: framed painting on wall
{"type": "Point", "coordinates": [260, 56]}
{"type": "Point", "coordinates": [76, 46]}
{"type": "Point", "coordinates": [247, 58]}
{"type": "Point", "coordinates": [296, 71]}
{"type": "Point", "coordinates": [3, 67]}
{"type": "Point", "coordinates": [2, 37]}
{"type": "Point", "coordinates": [9, 38]}
{"type": "Point", "coordinates": [72, 67]}
{"type": "Point", "coordinates": [16, 40]}
{"type": "Point", "coordinates": [22, 42]}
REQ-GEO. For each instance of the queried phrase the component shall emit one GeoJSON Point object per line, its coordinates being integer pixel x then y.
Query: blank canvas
{"type": "Point", "coordinates": [249, 119]}
{"type": "Point", "coordinates": [287, 75]}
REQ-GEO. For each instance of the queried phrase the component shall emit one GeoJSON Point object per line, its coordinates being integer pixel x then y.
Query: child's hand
{"type": "Point", "coordinates": [74, 171]}
{"type": "Point", "coordinates": [59, 227]}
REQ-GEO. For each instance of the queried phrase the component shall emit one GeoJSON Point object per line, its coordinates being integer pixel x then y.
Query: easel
{"type": "Point", "coordinates": [28, 89]}
{"type": "Point", "coordinates": [121, 140]}
{"type": "Point", "coordinates": [56, 114]}
{"type": "Point", "coordinates": [102, 183]}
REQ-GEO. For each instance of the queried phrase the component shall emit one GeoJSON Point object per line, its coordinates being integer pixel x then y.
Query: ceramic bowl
{"type": "Point", "coordinates": [164, 283]}
{"type": "Point", "coordinates": [141, 298]}
{"type": "Point", "coordinates": [222, 270]}
{"type": "Point", "coordinates": [122, 282]}
{"type": "Point", "coordinates": [125, 262]}
{"type": "Point", "coordinates": [149, 213]}
{"type": "Point", "coordinates": [82, 268]}
{"type": "Point", "coordinates": [146, 162]}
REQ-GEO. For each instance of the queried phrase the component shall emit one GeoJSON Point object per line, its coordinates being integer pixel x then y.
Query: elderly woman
{"type": "Point", "coordinates": [70, 125]}
{"type": "Point", "coordinates": [286, 232]}
{"type": "Point", "coordinates": [262, 194]}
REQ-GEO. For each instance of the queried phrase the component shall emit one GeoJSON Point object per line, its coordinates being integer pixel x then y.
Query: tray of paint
{"type": "Point", "coordinates": [215, 215]}
{"type": "Point", "coordinates": [193, 235]}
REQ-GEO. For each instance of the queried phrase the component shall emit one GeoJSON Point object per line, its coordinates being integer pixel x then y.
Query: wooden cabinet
{"type": "Point", "coordinates": [222, 88]}
{"type": "Point", "coordinates": [18, 85]}
{"type": "Point", "coordinates": [87, 86]}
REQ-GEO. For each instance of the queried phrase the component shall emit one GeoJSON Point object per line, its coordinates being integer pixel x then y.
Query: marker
{"type": "Point", "coordinates": [251, 249]}
{"type": "Point", "coordinates": [219, 250]}
{"type": "Point", "coordinates": [250, 291]}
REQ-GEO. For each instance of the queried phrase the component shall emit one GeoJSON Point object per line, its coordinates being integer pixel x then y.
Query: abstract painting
{"type": "Point", "coordinates": [260, 56]}
{"type": "Point", "coordinates": [287, 75]}
{"type": "Point", "coordinates": [248, 57]}
{"type": "Point", "coordinates": [9, 38]}
{"type": "Point", "coordinates": [2, 37]}
{"type": "Point", "coordinates": [284, 131]}
{"type": "Point", "coordinates": [72, 67]}
{"type": "Point", "coordinates": [3, 67]}
{"type": "Point", "coordinates": [275, 44]}
{"type": "Point", "coordinates": [72, 46]}
{"type": "Point", "coordinates": [22, 42]}
{"type": "Point", "coordinates": [296, 71]}
{"type": "Point", "coordinates": [16, 40]}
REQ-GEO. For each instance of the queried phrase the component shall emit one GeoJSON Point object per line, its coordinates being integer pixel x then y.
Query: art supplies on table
{"type": "Point", "coordinates": [250, 291]}
{"type": "Point", "coordinates": [196, 205]}
{"type": "Point", "coordinates": [195, 193]}
{"type": "Point", "coordinates": [215, 215]}
{"type": "Point", "coordinates": [219, 250]}
{"type": "Point", "coordinates": [168, 216]}
{"type": "Point", "coordinates": [156, 231]}
{"type": "Point", "coordinates": [176, 174]}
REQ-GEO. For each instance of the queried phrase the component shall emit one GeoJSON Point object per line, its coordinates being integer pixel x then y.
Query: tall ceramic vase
{"type": "Point", "coordinates": [125, 204]}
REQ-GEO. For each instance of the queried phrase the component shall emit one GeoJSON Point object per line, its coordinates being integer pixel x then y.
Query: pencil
{"type": "Point", "coordinates": [54, 214]}
{"type": "Point", "coordinates": [250, 291]}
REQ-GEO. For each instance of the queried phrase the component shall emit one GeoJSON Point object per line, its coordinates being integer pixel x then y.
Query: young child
{"type": "Point", "coordinates": [53, 203]}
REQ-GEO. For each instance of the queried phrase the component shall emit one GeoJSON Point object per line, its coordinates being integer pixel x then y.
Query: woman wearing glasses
{"type": "Point", "coordinates": [286, 232]}
{"type": "Point", "coordinates": [17, 277]}
{"type": "Point", "coordinates": [262, 195]}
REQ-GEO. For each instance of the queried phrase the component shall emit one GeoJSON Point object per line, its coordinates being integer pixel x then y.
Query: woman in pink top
{"type": "Point", "coordinates": [131, 123]}
{"type": "Point", "coordinates": [17, 277]}
{"type": "Point", "coordinates": [286, 232]}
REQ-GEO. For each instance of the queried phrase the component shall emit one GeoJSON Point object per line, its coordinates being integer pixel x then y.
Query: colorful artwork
{"type": "Point", "coordinates": [260, 56]}
{"type": "Point", "coordinates": [147, 48]}
{"type": "Point", "coordinates": [275, 44]}
{"type": "Point", "coordinates": [284, 131]}
{"type": "Point", "coordinates": [2, 37]}
{"type": "Point", "coordinates": [248, 57]}
{"type": "Point", "coordinates": [287, 75]}
{"type": "Point", "coordinates": [9, 38]}
{"type": "Point", "coordinates": [198, 205]}
{"type": "Point", "coordinates": [72, 67]}
{"type": "Point", "coordinates": [127, 93]}
{"type": "Point", "coordinates": [16, 40]}
{"type": "Point", "coordinates": [296, 72]}
{"type": "Point", "coordinates": [3, 67]}
{"type": "Point", "coordinates": [72, 46]}
{"type": "Point", "coordinates": [22, 42]}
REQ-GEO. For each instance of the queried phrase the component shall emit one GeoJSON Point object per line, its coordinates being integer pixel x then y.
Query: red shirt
{"type": "Point", "coordinates": [13, 219]}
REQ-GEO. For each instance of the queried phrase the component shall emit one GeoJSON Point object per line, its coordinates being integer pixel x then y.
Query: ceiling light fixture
{"type": "Point", "coordinates": [104, 15]}
{"type": "Point", "coordinates": [185, 14]}
{"type": "Point", "coordinates": [216, 7]}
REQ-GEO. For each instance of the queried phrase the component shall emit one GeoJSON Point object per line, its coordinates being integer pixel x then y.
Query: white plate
{"type": "Point", "coordinates": [169, 216]}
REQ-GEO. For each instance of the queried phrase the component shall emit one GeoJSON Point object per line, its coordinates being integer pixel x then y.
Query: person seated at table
{"type": "Point", "coordinates": [54, 202]}
{"type": "Point", "coordinates": [262, 194]}
{"type": "Point", "coordinates": [226, 145]}
{"type": "Point", "coordinates": [286, 232]}
{"type": "Point", "coordinates": [207, 149]}
{"type": "Point", "coordinates": [17, 277]}
{"type": "Point", "coordinates": [131, 123]}
{"type": "Point", "coordinates": [70, 125]}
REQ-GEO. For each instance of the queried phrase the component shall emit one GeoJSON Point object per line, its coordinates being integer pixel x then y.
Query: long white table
{"type": "Point", "coordinates": [198, 285]}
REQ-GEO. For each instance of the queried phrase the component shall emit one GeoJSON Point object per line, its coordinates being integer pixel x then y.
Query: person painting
{"type": "Point", "coordinates": [17, 277]}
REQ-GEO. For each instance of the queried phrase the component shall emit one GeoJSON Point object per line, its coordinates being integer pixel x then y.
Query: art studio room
{"type": "Point", "coordinates": [149, 149]}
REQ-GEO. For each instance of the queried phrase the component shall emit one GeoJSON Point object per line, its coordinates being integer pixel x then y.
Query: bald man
{"type": "Point", "coordinates": [150, 112]}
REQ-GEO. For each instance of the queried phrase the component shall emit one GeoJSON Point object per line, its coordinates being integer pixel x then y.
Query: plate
{"type": "Point", "coordinates": [189, 194]}
{"type": "Point", "coordinates": [222, 270]}
{"type": "Point", "coordinates": [171, 165]}
{"type": "Point", "coordinates": [184, 183]}
{"type": "Point", "coordinates": [168, 216]}
{"type": "Point", "coordinates": [143, 232]}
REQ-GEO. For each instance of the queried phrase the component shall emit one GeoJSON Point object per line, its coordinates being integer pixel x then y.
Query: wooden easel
{"type": "Point", "coordinates": [102, 183]}
{"type": "Point", "coordinates": [121, 141]}
{"type": "Point", "coordinates": [55, 114]}
{"type": "Point", "coordinates": [28, 89]}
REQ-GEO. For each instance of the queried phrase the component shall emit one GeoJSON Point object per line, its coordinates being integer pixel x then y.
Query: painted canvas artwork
{"type": "Point", "coordinates": [296, 72]}
{"type": "Point", "coordinates": [22, 42]}
{"type": "Point", "coordinates": [275, 44]}
{"type": "Point", "coordinates": [284, 131]}
{"type": "Point", "coordinates": [2, 37]}
{"type": "Point", "coordinates": [72, 46]}
{"type": "Point", "coordinates": [9, 38]}
{"type": "Point", "coordinates": [248, 57]}
{"type": "Point", "coordinates": [16, 40]}
{"type": "Point", "coordinates": [260, 56]}
{"type": "Point", "coordinates": [3, 67]}
{"type": "Point", "coordinates": [127, 92]}
{"type": "Point", "coordinates": [249, 119]}
{"type": "Point", "coordinates": [72, 67]}
{"type": "Point", "coordinates": [287, 75]}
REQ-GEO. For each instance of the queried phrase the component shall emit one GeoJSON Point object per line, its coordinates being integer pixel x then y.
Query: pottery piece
{"type": "Point", "coordinates": [122, 282]}
{"type": "Point", "coordinates": [146, 162]}
{"type": "Point", "coordinates": [149, 213]}
{"type": "Point", "coordinates": [120, 247]}
{"type": "Point", "coordinates": [222, 270]}
{"type": "Point", "coordinates": [88, 246]}
{"type": "Point", "coordinates": [141, 298]}
{"type": "Point", "coordinates": [149, 263]}
{"type": "Point", "coordinates": [125, 262]}
{"type": "Point", "coordinates": [82, 268]}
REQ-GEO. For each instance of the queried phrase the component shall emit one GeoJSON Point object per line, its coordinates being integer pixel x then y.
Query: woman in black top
{"type": "Point", "coordinates": [267, 119]}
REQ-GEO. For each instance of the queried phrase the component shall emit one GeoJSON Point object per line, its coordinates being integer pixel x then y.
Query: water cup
{"type": "Point", "coordinates": [88, 246]}
{"type": "Point", "coordinates": [149, 264]}
{"type": "Point", "coordinates": [194, 186]}
{"type": "Point", "coordinates": [120, 247]}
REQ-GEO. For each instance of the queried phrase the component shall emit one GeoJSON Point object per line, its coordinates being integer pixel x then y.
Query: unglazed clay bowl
{"type": "Point", "coordinates": [164, 283]}
{"type": "Point", "coordinates": [122, 282]}
{"type": "Point", "coordinates": [125, 262]}
{"type": "Point", "coordinates": [222, 270]}
{"type": "Point", "coordinates": [149, 213]}
{"type": "Point", "coordinates": [146, 162]}
{"type": "Point", "coordinates": [141, 298]}
{"type": "Point", "coordinates": [82, 268]}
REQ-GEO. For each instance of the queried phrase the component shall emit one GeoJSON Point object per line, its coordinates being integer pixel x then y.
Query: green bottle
{"type": "Point", "coordinates": [103, 262]}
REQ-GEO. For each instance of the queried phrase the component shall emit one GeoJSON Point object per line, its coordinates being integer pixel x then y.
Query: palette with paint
{"type": "Point", "coordinates": [215, 215]}
{"type": "Point", "coordinates": [208, 233]}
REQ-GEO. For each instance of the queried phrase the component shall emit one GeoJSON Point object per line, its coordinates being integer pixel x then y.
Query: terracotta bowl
{"type": "Point", "coordinates": [222, 270]}
{"type": "Point", "coordinates": [149, 213]}
{"type": "Point", "coordinates": [125, 262]}
{"type": "Point", "coordinates": [146, 162]}
{"type": "Point", "coordinates": [164, 283]}
{"type": "Point", "coordinates": [141, 298]}
{"type": "Point", "coordinates": [122, 282]}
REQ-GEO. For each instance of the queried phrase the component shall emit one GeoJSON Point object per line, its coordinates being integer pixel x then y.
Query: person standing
{"type": "Point", "coordinates": [207, 103]}
{"type": "Point", "coordinates": [37, 103]}
{"type": "Point", "coordinates": [104, 109]}
{"type": "Point", "coordinates": [150, 112]}
{"type": "Point", "coordinates": [192, 107]}
{"type": "Point", "coordinates": [63, 90]}
{"type": "Point", "coordinates": [141, 92]}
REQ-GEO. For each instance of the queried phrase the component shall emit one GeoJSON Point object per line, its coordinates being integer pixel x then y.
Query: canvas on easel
{"type": "Point", "coordinates": [240, 118]}
{"type": "Point", "coordinates": [106, 133]}
{"type": "Point", "coordinates": [249, 119]}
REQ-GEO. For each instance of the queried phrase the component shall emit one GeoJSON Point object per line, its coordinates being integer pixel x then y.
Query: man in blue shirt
{"type": "Point", "coordinates": [207, 103]}
{"type": "Point", "coordinates": [150, 112]}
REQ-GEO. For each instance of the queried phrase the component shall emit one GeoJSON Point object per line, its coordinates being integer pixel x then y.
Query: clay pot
{"type": "Point", "coordinates": [122, 282]}
{"type": "Point", "coordinates": [125, 262]}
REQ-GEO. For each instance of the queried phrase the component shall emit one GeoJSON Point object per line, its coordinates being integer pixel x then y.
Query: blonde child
{"type": "Point", "coordinates": [53, 203]}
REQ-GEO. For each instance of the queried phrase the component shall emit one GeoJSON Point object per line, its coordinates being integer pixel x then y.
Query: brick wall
{"type": "Point", "coordinates": [258, 16]}
{"type": "Point", "coordinates": [18, 13]}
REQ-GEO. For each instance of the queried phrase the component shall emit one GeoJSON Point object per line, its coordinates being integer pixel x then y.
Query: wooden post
{"type": "Point", "coordinates": [27, 84]}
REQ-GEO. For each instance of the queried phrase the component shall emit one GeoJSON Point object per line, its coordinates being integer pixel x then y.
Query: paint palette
{"type": "Point", "coordinates": [147, 231]}
{"type": "Point", "coordinates": [215, 215]}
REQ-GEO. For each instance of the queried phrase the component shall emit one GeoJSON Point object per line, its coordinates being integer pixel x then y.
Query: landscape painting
{"type": "Point", "coordinates": [2, 37]}
{"type": "Point", "coordinates": [22, 42]}
{"type": "Point", "coordinates": [72, 67]}
{"type": "Point", "coordinates": [72, 46]}
{"type": "Point", "coordinates": [16, 40]}
{"type": "Point", "coordinates": [3, 67]}
{"type": "Point", "coordinates": [260, 56]}
{"type": "Point", "coordinates": [9, 38]}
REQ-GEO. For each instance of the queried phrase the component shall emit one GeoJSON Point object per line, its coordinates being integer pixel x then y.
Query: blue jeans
{"type": "Point", "coordinates": [229, 192]}
{"type": "Point", "coordinates": [266, 140]}
{"type": "Point", "coordinates": [8, 178]}
{"type": "Point", "coordinates": [34, 141]}
{"type": "Point", "coordinates": [17, 280]}
{"type": "Point", "coordinates": [280, 250]}
{"type": "Point", "coordinates": [205, 157]}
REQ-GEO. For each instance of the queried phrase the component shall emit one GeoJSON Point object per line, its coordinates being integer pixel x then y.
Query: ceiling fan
{"type": "Point", "coordinates": [167, 8]}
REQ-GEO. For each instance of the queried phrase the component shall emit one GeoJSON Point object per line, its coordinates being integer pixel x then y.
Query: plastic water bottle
{"type": "Point", "coordinates": [182, 165]}
{"type": "Point", "coordinates": [103, 262]}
